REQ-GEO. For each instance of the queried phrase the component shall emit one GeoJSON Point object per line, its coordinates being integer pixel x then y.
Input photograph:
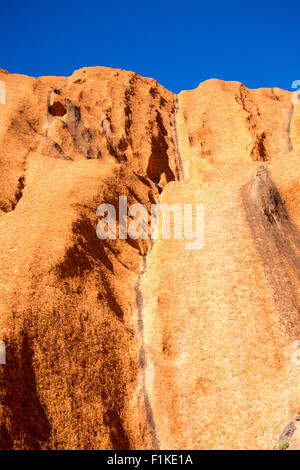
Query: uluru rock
{"type": "Point", "coordinates": [143, 344]}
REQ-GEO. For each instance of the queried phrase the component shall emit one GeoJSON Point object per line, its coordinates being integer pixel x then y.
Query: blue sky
{"type": "Point", "coordinates": [179, 43]}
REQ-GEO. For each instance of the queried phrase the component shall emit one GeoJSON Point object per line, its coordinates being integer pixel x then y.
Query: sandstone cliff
{"type": "Point", "coordinates": [130, 344]}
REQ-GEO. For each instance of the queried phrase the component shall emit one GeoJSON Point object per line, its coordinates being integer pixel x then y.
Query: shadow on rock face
{"type": "Point", "coordinates": [25, 425]}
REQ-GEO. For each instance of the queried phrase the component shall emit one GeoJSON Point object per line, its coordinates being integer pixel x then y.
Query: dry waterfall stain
{"type": "Point", "coordinates": [139, 295]}
{"type": "Point", "coordinates": [277, 241]}
{"type": "Point", "coordinates": [142, 357]}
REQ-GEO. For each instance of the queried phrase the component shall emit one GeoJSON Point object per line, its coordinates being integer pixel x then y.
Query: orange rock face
{"type": "Point", "coordinates": [140, 343]}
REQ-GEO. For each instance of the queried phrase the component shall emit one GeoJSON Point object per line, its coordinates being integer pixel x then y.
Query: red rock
{"type": "Point", "coordinates": [196, 351]}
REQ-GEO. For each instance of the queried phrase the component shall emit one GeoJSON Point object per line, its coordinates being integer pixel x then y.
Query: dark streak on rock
{"type": "Point", "coordinates": [277, 241]}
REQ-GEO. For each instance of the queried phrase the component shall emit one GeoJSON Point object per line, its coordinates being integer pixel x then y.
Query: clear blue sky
{"type": "Point", "coordinates": [179, 43]}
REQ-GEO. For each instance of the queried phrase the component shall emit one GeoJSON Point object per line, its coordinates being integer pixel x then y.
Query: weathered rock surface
{"type": "Point", "coordinates": [111, 344]}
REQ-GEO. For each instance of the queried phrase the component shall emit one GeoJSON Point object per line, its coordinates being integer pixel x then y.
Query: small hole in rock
{"type": "Point", "coordinates": [57, 109]}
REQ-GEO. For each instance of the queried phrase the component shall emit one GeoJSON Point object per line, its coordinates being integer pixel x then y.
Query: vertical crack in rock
{"type": "Point", "coordinates": [19, 190]}
{"type": "Point", "coordinates": [180, 164]}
